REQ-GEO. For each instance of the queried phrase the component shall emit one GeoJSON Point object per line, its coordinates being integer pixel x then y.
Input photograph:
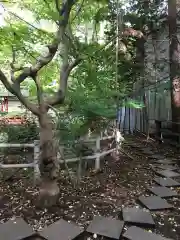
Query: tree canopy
{"type": "Point", "coordinates": [38, 42]}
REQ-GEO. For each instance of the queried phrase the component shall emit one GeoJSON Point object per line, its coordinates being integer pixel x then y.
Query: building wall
{"type": "Point", "coordinates": [15, 106]}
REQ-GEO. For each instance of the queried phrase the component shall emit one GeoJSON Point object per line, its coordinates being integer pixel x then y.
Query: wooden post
{"type": "Point", "coordinates": [37, 173]}
{"type": "Point", "coordinates": [158, 129]}
{"type": "Point", "coordinates": [98, 148]}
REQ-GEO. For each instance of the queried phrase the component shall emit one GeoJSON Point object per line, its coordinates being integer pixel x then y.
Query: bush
{"type": "Point", "coordinates": [24, 133]}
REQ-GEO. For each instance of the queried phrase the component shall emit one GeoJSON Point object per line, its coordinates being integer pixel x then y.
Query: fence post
{"type": "Point", "coordinates": [158, 130]}
{"type": "Point", "coordinates": [36, 161]}
{"type": "Point", "coordinates": [98, 148]}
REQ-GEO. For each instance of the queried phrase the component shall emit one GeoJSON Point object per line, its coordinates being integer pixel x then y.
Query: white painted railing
{"type": "Point", "coordinates": [34, 164]}
{"type": "Point", "coordinates": [98, 154]}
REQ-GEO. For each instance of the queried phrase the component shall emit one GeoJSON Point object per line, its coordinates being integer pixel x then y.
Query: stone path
{"type": "Point", "coordinates": [109, 227]}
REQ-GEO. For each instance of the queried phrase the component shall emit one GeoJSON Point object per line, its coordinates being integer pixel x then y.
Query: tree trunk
{"type": "Point", "coordinates": [174, 56]}
{"type": "Point", "coordinates": [49, 165]}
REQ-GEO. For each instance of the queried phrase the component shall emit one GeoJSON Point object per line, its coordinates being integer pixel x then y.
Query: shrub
{"type": "Point", "coordinates": [24, 133]}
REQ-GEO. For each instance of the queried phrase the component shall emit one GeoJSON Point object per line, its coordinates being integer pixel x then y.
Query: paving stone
{"type": "Point", "coordinates": [134, 145]}
{"type": "Point", "coordinates": [168, 173]}
{"type": "Point", "coordinates": [158, 156]}
{"type": "Point", "coordinates": [61, 230]}
{"type": "Point", "coordinates": [155, 203]}
{"type": "Point", "coordinates": [157, 167]}
{"type": "Point", "coordinates": [164, 161]}
{"type": "Point", "coordinates": [106, 226]}
{"type": "Point", "coordinates": [16, 229]}
{"type": "Point", "coordinates": [136, 233]}
{"type": "Point", "coordinates": [167, 182]}
{"type": "Point", "coordinates": [147, 150]}
{"type": "Point", "coordinates": [137, 216]}
{"type": "Point", "coordinates": [163, 192]}
{"type": "Point", "coordinates": [168, 167]}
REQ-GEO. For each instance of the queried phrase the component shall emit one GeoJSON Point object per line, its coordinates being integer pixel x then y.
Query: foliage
{"type": "Point", "coordinates": [147, 15]}
{"type": "Point", "coordinates": [125, 55]}
{"type": "Point", "coordinates": [24, 133]}
{"type": "Point", "coordinates": [95, 90]}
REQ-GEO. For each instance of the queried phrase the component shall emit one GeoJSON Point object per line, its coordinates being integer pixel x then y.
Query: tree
{"type": "Point", "coordinates": [92, 82]}
{"type": "Point", "coordinates": [61, 47]}
{"type": "Point", "coordinates": [30, 63]}
{"type": "Point", "coordinates": [174, 56]}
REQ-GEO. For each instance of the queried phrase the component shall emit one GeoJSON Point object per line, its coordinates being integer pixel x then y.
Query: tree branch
{"type": "Point", "coordinates": [39, 90]}
{"type": "Point", "coordinates": [60, 95]}
{"type": "Point", "coordinates": [57, 5]}
{"type": "Point", "coordinates": [13, 85]}
{"type": "Point", "coordinates": [12, 64]}
{"type": "Point", "coordinates": [78, 11]}
{"type": "Point", "coordinates": [65, 11]}
{"type": "Point", "coordinates": [6, 82]}
{"type": "Point", "coordinates": [43, 61]}
{"type": "Point", "coordinates": [29, 105]}
{"type": "Point", "coordinates": [15, 90]}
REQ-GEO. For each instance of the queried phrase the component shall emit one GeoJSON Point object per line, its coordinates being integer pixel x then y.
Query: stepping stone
{"type": "Point", "coordinates": [168, 167]}
{"type": "Point", "coordinates": [133, 145]}
{"type": "Point", "coordinates": [61, 230]}
{"type": "Point", "coordinates": [148, 151]}
{"type": "Point", "coordinates": [146, 148]}
{"type": "Point", "coordinates": [157, 167]}
{"type": "Point", "coordinates": [106, 226]}
{"type": "Point", "coordinates": [137, 216]}
{"type": "Point", "coordinates": [168, 173]}
{"type": "Point", "coordinates": [167, 182]}
{"type": "Point", "coordinates": [15, 230]}
{"type": "Point", "coordinates": [155, 203]}
{"type": "Point", "coordinates": [163, 192]}
{"type": "Point", "coordinates": [165, 161]}
{"type": "Point", "coordinates": [136, 233]}
{"type": "Point", "coordinates": [158, 156]}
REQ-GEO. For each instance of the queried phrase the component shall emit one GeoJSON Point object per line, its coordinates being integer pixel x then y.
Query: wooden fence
{"type": "Point", "coordinates": [94, 143]}
{"type": "Point", "coordinates": [157, 107]}
{"type": "Point", "coordinates": [34, 164]}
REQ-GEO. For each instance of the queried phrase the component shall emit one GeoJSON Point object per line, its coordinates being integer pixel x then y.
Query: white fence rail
{"type": "Point", "coordinates": [98, 154]}
{"type": "Point", "coordinates": [35, 164]}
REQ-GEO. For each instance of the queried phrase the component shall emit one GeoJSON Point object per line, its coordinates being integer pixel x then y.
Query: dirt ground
{"type": "Point", "coordinates": [122, 180]}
